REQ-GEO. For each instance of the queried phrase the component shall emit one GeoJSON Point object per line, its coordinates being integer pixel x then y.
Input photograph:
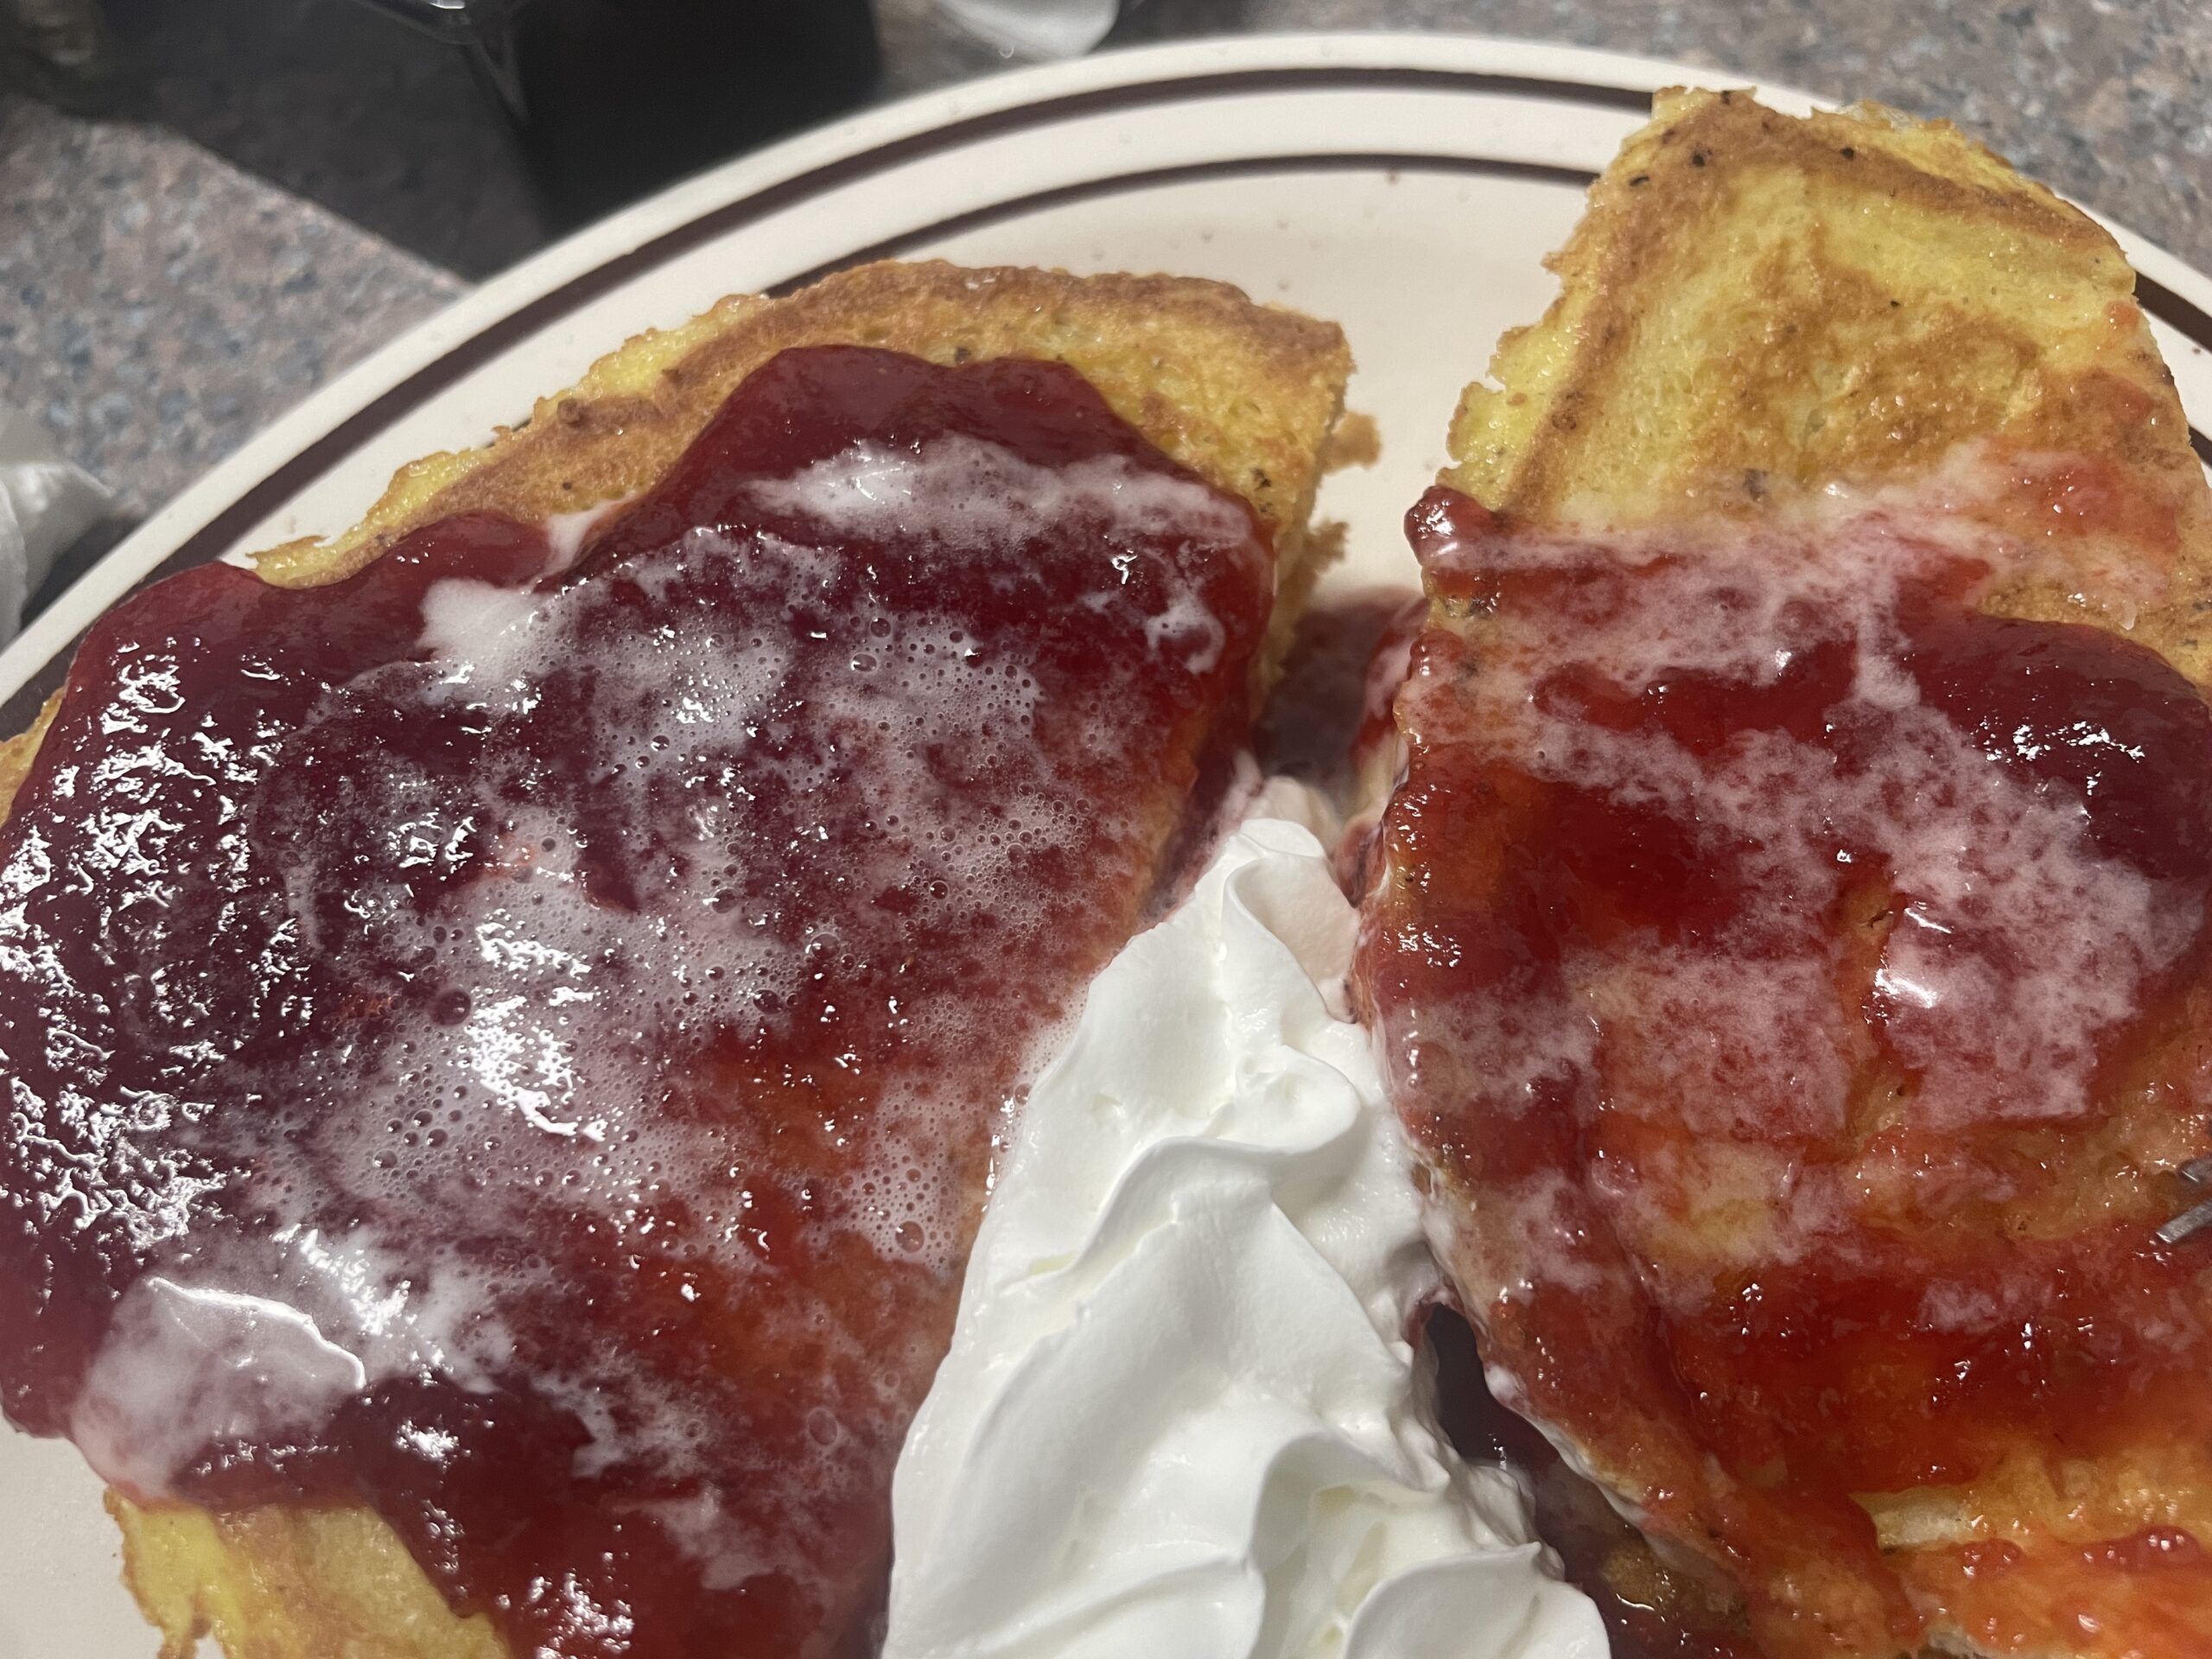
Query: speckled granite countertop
{"type": "Point", "coordinates": [158, 303]}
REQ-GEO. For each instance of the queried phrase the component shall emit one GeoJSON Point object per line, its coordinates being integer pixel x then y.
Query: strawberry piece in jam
{"type": "Point", "coordinates": [520, 1046]}
{"type": "Point", "coordinates": [1800, 978]}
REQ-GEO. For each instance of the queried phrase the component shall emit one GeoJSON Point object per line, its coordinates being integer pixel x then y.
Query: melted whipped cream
{"type": "Point", "coordinates": [1180, 1415]}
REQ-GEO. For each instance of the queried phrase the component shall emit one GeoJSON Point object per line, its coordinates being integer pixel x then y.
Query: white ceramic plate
{"type": "Point", "coordinates": [1407, 186]}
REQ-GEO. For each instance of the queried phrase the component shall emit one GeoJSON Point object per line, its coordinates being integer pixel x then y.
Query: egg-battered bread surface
{"type": "Point", "coordinates": [1790, 936]}
{"type": "Point", "coordinates": [1242, 396]}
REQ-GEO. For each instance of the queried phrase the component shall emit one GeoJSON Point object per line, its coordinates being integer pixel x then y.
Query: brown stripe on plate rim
{"type": "Point", "coordinates": [2184, 318]}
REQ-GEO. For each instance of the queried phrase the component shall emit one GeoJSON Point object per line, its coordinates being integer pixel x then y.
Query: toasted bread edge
{"type": "Point", "coordinates": [1245, 395]}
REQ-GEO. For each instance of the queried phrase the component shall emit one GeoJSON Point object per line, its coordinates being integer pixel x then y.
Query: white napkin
{"type": "Point", "coordinates": [1036, 28]}
{"type": "Point", "coordinates": [45, 505]}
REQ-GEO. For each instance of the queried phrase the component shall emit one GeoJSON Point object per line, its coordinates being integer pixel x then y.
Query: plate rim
{"type": "Point", "coordinates": [317, 434]}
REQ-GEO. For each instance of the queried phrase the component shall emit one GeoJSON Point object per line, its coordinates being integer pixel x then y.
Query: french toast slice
{"type": "Point", "coordinates": [1758, 314]}
{"type": "Point", "coordinates": [1242, 395]}
{"type": "Point", "coordinates": [1755, 305]}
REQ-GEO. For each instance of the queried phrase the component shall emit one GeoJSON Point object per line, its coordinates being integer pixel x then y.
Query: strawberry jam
{"type": "Point", "coordinates": [518, 1043]}
{"type": "Point", "coordinates": [1800, 978]}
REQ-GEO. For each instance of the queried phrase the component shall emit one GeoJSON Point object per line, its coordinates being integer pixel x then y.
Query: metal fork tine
{"type": "Point", "coordinates": [2185, 1223]}
{"type": "Point", "coordinates": [2197, 1171]}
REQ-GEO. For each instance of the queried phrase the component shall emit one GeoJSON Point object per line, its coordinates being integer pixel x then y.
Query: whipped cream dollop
{"type": "Point", "coordinates": [1180, 1414]}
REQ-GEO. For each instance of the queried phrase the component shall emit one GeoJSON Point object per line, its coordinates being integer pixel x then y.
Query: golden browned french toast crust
{"type": "Point", "coordinates": [1756, 309]}
{"type": "Point", "coordinates": [1244, 395]}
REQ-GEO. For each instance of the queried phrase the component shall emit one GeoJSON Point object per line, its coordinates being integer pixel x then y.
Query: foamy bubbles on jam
{"type": "Point", "coordinates": [1759, 698]}
{"type": "Point", "coordinates": [1795, 975]}
{"type": "Point", "coordinates": [567, 987]}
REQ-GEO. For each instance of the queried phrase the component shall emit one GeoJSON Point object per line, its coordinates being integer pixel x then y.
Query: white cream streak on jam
{"type": "Point", "coordinates": [257, 1353]}
{"type": "Point", "coordinates": [1180, 1413]}
{"type": "Point", "coordinates": [2018, 947]}
{"type": "Point", "coordinates": [516, 1036]}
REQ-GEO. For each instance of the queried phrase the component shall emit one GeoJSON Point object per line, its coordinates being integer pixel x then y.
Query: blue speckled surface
{"type": "Point", "coordinates": [157, 304]}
